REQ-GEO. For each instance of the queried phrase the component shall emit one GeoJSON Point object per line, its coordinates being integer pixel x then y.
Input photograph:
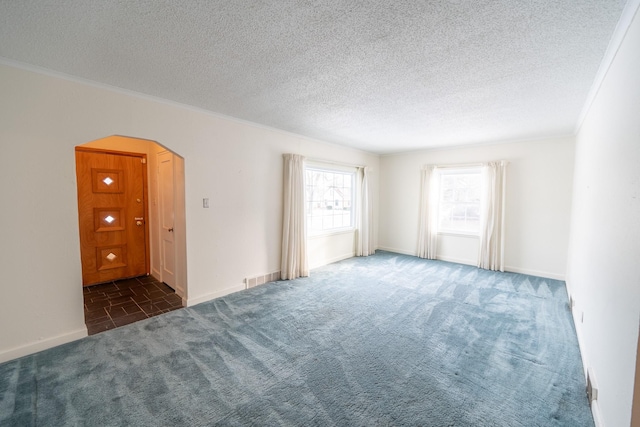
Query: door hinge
{"type": "Point", "coordinates": [144, 161]}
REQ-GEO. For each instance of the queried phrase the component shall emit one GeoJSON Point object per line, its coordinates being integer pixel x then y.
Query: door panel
{"type": "Point", "coordinates": [167, 220]}
{"type": "Point", "coordinates": [111, 211]}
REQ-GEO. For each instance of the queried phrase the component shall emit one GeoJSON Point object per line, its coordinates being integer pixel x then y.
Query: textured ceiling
{"type": "Point", "coordinates": [383, 76]}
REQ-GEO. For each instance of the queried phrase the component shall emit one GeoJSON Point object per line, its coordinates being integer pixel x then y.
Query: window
{"type": "Point", "coordinates": [328, 199]}
{"type": "Point", "coordinates": [459, 200]}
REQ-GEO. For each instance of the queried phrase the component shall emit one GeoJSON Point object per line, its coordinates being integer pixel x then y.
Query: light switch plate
{"type": "Point", "coordinates": [205, 202]}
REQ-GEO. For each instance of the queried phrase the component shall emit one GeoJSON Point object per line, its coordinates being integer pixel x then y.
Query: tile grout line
{"type": "Point", "coordinates": [141, 309]}
{"type": "Point", "coordinates": [120, 290]}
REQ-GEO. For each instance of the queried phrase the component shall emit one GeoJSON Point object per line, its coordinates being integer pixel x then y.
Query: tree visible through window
{"type": "Point", "coordinates": [328, 199]}
{"type": "Point", "coordinates": [459, 204]}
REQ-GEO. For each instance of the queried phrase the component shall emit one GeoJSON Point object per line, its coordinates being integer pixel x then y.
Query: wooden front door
{"type": "Point", "coordinates": [112, 211]}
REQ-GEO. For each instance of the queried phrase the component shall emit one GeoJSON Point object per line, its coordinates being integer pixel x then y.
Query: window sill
{"type": "Point", "coordinates": [459, 234]}
{"type": "Point", "coordinates": [331, 233]}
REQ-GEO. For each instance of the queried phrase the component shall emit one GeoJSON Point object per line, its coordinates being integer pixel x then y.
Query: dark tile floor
{"type": "Point", "coordinates": [113, 304]}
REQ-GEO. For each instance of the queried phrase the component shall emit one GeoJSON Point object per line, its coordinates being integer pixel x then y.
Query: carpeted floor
{"type": "Point", "coordinates": [384, 340]}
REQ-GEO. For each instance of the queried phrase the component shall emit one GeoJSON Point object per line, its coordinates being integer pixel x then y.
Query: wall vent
{"type": "Point", "coordinates": [592, 390]}
{"type": "Point", "coordinates": [252, 282]}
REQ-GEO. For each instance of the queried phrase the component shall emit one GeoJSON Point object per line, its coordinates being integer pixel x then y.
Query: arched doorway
{"type": "Point", "coordinates": [166, 224]}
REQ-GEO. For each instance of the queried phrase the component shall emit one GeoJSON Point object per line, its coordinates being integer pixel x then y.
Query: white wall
{"type": "Point", "coordinates": [321, 252]}
{"type": "Point", "coordinates": [604, 256]}
{"type": "Point", "coordinates": [539, 179]}
{"type": "Point", "coordinates": [237, 165]}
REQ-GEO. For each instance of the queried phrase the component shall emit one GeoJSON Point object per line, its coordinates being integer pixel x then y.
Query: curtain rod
{"type": "Point", "coordinates": [459, 165]}
{"type": "Point", "coordinates": [332, 162]}
{"type": "Point", "coordinates": [463, 165]}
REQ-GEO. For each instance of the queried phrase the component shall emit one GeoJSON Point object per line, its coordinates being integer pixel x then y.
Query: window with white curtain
{"type": "Point", "coordinates": [329, 199]}
{"type": "Point", "coordinates": [459, 200]}
{"type": "Point", "coordinates": [465, 201]}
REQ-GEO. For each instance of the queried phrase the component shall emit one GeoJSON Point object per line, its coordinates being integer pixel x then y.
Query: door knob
{"type": "Point", "coordinates": [170, 230]}
{"type": "Point", "coordinates": [138, 223]}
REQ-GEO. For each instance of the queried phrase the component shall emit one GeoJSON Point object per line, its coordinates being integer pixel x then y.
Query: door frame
{"type": "Point", "coordinates": [145, 195]}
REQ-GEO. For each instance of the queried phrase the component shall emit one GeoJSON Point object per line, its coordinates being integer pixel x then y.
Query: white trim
{"type": "Point", "coordinates": [454, 233]}
{"type": "Point", "coordinates": [595, 411]}
{"type": "Point", "coordinates": [397, 251]}
{"type": "Point", "coordinates": [576, 315]}
{"type": "Point", "coordinates": [438, 258]}
{"type": "Point", "coordinates": [213, 295]}
{"type": "Point", "coordinates": [43, 344]}
{"type": "Point", "coordinates": [577, 323]}
{"type": "Point", "coordinates": [233, 289]}
{"type": "Point", "coordinates": [454, 146]}
{"type": "Point", "coordinates": [332, 165]}
{"type": "Point", "coordinates": [182, 293]}
{"type": "Point", "coordinates": [470, 262]}
{"type": "Point", "coordinates": [464, 167]}
{"type": "Point", "coordinates": [332, 232]}
{"type": "Point", "coordinates": [618, 36]}
{"type": "Point", "coordinates": [537, 273]}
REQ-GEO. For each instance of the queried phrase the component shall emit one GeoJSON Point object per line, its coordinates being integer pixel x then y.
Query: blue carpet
{"type": "Point", "coordinates": [385, 340]}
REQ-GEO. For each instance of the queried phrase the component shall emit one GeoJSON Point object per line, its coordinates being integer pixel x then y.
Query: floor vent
{"type": "Point", "coordinates": [592, 391]}
{"type": "Point", "coordinates": [252, 282]}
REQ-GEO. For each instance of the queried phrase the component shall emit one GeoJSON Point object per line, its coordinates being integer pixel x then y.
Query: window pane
{"type": "Point", "coordinates": [328, 199]}
{"type": "Point", "coordinates": [459, 204]}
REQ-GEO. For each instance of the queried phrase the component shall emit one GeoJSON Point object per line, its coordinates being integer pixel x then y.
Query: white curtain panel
{"type": "Point", "coordinates": [491, 254]}
{"type": "Point", "coordinates": [427, 226]}
{"type": "Point", "coordinates": [294, 233]}
{"type": "Point", "coordinates": [364, 215]}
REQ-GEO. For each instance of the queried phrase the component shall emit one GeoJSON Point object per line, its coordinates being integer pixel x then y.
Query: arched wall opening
{"type": "Point", "coordinates": [166, 207]}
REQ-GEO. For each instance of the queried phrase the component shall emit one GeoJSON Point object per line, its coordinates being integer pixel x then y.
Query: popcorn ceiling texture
{"type": "Point", "coordinates": [380, 76]}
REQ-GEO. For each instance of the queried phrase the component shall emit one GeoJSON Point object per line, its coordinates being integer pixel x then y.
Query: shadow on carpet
{"type": "Point", "coordinates": [384, 340]}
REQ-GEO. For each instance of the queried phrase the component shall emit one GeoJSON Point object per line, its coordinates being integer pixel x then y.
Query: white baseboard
{"type": "Point", "coordinates": [34, 347]}
{"type": "Point", "coordinates": [513, 269]}
{"type": "Point", "coordinates": [471, 262]}
{"type": "Point", "coordinates": [537, 273]}
{"type": "Point", "coordinates": [183, 295]}
{"type": "Point", "coordinates": [213, 295]}
{"type": "Point", "coordinates": [595, 410]}
{"type": "Point", "coordinates": [398, 251]}
{"type": "Point", "coordinates": [440, 258]}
